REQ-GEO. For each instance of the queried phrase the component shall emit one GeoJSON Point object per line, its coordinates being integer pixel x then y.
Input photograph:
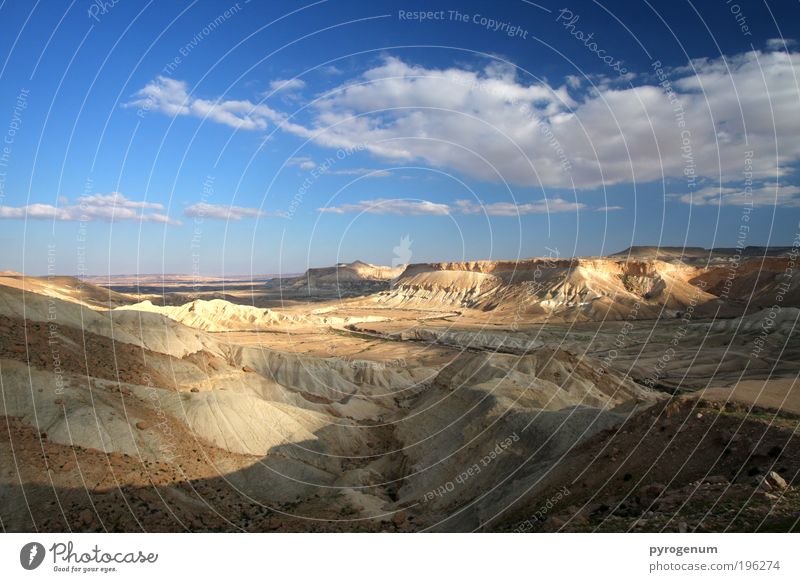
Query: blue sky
{"type": "Point", "coordinates": [234, 138]}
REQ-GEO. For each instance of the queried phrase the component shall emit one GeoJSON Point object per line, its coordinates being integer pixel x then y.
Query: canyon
{"type": "Point", "coordinates": [635, 389]}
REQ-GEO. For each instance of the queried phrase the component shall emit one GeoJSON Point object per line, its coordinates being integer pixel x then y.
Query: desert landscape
{"type": "Point", "coordinates": [523, 275]}
{"type": "Point", "coordinates": [652, 390]}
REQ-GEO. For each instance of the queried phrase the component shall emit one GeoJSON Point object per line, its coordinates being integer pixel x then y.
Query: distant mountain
{"type": "Point", "coordinates": [344, 279]}
{"type": "Point", "coordinates": [667, 252]}
{"type": "Point", "coordinates": [149, 279]}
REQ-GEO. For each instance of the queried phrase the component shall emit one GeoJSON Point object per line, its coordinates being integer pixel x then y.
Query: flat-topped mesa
{"type": "Point", "coordinates": [700, 253]}
{"type": "Point", "coordinates": [517, 270]}
{"type": "Point", "coordinates": [355, 271]}
{"type": "Point", "coordinates": [590, 288]}
{"type": "Point", "coordinates": [356, 278]}
{"type": "Point", "coordinates": [488, 266]}
{"type": "Point", "coordinates": [661, 252]}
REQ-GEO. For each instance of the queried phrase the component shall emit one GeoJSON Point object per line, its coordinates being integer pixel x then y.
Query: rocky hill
{"type": "Point", "coordinates": [343, 280]}
{"type": "Point", "coordinates": [595, 289]}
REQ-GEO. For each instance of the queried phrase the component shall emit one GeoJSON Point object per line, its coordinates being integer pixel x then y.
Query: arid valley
{"type": "Point", "coordinates": [650, 390]}
{"type": "Point", "coordinates": [316, 280]}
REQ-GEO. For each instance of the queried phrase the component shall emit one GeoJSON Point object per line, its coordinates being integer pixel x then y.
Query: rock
{"type": "Point", "coordinates": [195, 389]}
{"type": "Point", "coordinates": [772, 481]}
{"type": "Point", "coordinates": [58, 401]}
{"type": "Point", "coordinates": [399, 518]}
{"type": "Point", "coordinates": [248, 369]}
{"type": "Point", "coordinates": [683, 527]}
{"type": "Point", "coordinates": [142, 425]}
{"type": "Point", "coordinates": [776, 481]}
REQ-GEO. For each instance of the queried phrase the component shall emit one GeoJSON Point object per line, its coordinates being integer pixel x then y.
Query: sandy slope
{"type": "Point", "coordinates": [151, 387]}
{"type": "Point", "coordinates": [370, 413]}
{"type": "Point", "coordinates": [778, 395]}
{"type": "Point", "coordinates": [219, 315]}
{"type": "Point", "coordinates": [69, 289]}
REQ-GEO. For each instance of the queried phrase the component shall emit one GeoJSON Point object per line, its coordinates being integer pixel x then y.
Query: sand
{"type": "Point", "coordinates": [348, 410]}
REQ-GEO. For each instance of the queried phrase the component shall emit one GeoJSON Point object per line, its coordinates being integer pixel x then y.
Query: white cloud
{"type": "Point", "coordinates": [391, 206]}
{"type": "Point", "coordinates": [171, 97]}
{"type": "Point", "coordinates": [608, 208]}
{"type": "Point", "coordinates": [221, 212]}
{"type": "Point", "coordinates": [366, 172]}
{"type": "Point", "coordinates": [306, 163]}
{"type": "Point", "coordinates": [412, 207]}
{"type": "Point", "coordinates": [107, 207]}
{"type": "Point", "coordinates": [303, 162]}
{"type": "Point", "coordinates": [496, 125]}
{"type": "Point", "coordinates": [778, 44]}
{"type": "Point", "coordinates": [287, 85]}
{"type": "Point", "coordinates": [551, 206]}
{"type": "Point", "coordinates": [528, 133]}
{"type": "Point", "coordinates": [116, 200]}
{"type": "Point", "coordinates": [768, 194]}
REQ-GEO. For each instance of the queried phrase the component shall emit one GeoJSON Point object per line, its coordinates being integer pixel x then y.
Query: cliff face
{"type": "Point", "coordinates": [760, 282]}
{"type": "Point", "coordinates": [590, 288]}
{"type": "Point", "coordinates": [517, 270]}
